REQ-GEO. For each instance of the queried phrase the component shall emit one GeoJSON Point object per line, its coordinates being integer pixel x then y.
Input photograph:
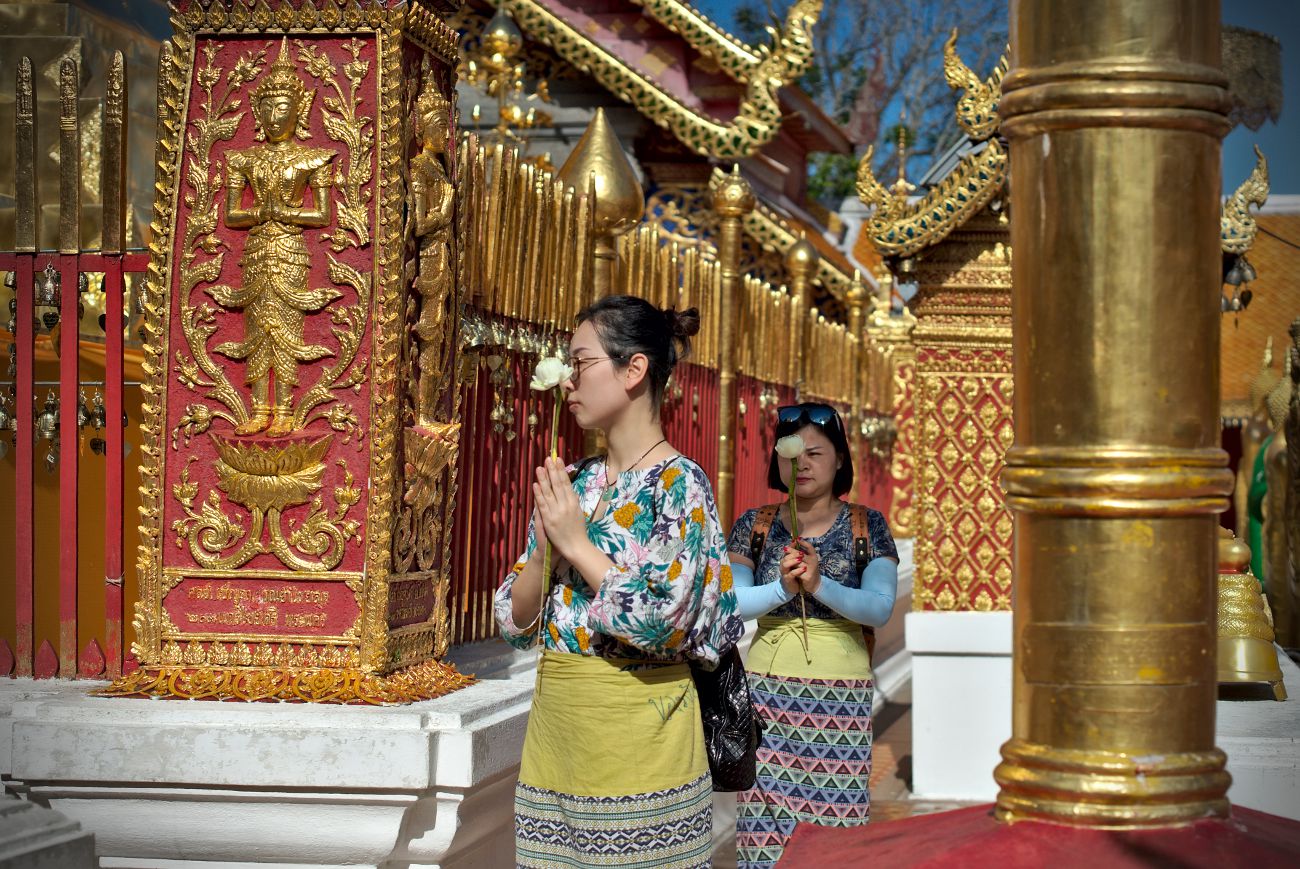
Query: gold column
{"type": "Point", "coordinates": [801, 262]}
{"type": "Point", "coordinates": [731, 200]}
{"type": "Point", "coordinates": [856, 299]}
{"type": "Point", "coordinates": [598, 164]}
{"type": "Point", "coordinates": [1115, 114]}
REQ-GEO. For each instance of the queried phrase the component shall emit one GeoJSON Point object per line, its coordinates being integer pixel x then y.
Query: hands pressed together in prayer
{"type": "Point", "coordinates": [801, 568]}
{"type": "Point", "coordinates": [560, 519]}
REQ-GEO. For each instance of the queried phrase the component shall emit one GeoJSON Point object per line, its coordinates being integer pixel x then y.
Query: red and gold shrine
{"type": "Point", "coordinates": [301, 309]}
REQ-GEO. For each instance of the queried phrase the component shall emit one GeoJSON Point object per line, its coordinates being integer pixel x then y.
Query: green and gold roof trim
{"type": "Point", "coordinates": [1237, 227]}
{"type": "Point", "coordinates": [898, 228]}
{"type": "Point", "coordinates": [735, 57]}
{"type": "Point", "coordinates": [755, 124]}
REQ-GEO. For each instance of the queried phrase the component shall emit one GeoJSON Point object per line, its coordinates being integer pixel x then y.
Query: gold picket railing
{"type": "Point", "coordinates": [529, 238]}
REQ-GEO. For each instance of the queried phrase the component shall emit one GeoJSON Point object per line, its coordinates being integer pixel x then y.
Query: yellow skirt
{"type": "Point", "coordinates": [836, 649]}
{"type": "Point", "coordinates": [599, 729]}
{"type": "Point", "coordinates": [614, 771]}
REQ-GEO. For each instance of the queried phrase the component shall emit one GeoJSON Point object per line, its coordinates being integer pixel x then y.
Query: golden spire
{"type": "Point", "coordinates": [599, 154]}
{"type": "Point", "coordinates": [902, 187]}
{"type": "Point", "coordinates": [1265, 380]}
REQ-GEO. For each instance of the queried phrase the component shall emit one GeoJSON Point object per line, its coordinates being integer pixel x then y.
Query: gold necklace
{"type": "Point", "coordinates": [607, 491]}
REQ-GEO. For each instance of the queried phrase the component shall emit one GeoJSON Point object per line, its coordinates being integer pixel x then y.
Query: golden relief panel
{"type": "Point", "coordinates": [274, 332]}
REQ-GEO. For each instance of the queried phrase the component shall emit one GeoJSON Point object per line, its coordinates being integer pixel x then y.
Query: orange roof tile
{"type": "Point", "coordinates": [1276, 302]}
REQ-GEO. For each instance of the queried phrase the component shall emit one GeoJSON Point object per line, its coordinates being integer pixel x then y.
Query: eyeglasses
{"type": "Point", "coordinates": [816, 414]}
{"type": "Point", "coordinates": [577, 363]}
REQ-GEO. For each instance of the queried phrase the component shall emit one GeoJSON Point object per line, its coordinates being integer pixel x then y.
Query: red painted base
{"type": "Point", "coordinates": [972, 837]}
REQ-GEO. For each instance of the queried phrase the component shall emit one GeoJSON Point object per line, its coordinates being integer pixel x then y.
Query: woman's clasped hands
{"type": "Point", "coordinates": [800, 568]}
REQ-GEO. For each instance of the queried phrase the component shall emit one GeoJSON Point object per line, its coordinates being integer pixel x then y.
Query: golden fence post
{"type": "Point", "coordinates": [731, 200]}
{"type": "Point", "coordinates": [859, 367]}
{"type": "Point", "coordinates": [1116, 475]}
{"type": "Point", "coordinates": [801, 262]}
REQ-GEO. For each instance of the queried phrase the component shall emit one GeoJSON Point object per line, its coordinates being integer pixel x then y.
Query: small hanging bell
{"type": "Point", "coordinates": [47, 423]}
{"type": "Point", "coordinates": [98, 416]}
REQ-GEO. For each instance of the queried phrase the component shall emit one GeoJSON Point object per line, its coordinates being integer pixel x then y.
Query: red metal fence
{"type": "Point", "coordinates": [47, 287]}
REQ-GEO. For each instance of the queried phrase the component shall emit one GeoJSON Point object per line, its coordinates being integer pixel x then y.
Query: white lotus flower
{"type": "Point", "coordinates": [790, 447]}
{"type": "Point", "coordinates": [550, 372]}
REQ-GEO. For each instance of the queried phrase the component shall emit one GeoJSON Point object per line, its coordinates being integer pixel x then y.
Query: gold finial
{"type": "Point", "coordinates": [1237, 227]}
{"type": "Point", "coordinates": [801, 257]}
{"type": "Point", "coordinates": [977, 110]}
{"type": "Point", "coordinates": [902, 187]}
{"type": "Point", "coordinates": [730, 194]}
{"type": "Point", "coordinates": [1278, 400]}
{"type": "Point", "coordinates": [856, 299]}
{"type": "Point", "coordinates": [1265, 380]}
{"type": "Point", "coordinates": [600, 155]}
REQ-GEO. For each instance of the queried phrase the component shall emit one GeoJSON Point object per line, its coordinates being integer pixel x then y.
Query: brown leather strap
{"type": "Point", "coordinates": [860, 519]}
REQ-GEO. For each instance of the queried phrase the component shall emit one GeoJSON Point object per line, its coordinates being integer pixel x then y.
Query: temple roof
{"type": "Point", "coordinates": [734, 57]}
{"type": "Point", "coordinates": [961, 182]}
{"type": "Point", "coordinates": [718, 96]}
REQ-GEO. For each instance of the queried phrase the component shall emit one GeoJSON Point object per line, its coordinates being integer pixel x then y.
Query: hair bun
{"type": "Point", "coordinates": [683, 324]}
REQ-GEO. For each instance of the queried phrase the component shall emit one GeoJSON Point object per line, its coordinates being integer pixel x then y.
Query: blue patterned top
{"type": "Point", "coordinates": [834, 548]}
{"type": "Point", "coordinates": [668, 596]}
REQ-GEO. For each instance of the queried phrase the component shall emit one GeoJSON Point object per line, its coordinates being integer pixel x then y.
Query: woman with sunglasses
{"type": "Point", "coordinates": [614, 769]}
{"type": "Point", "coordinates": [814, 762]}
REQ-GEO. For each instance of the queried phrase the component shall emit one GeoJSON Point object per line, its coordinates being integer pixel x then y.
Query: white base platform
{"type": "Point", "coordinates": [961, 702]}
{"type": "Point", "coordinates": [961, 716]}
{"type": "Point", "coordinates": [1262, 741]}
{"type": "Point", "coordinates": [204, 784]}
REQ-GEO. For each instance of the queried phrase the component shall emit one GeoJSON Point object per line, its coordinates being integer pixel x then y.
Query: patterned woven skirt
{"type": "Point", "coordinates": [814, 763]}
{"type": "Point", "coordinates": [614, 771]}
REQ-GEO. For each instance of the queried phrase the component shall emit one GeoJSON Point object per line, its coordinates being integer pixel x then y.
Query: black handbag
{"type": "Point", "coordinates": [732, 727]}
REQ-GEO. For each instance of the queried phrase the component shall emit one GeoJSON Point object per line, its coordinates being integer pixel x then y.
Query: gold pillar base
{"type": "Point", "coordinates": [1108, 789]}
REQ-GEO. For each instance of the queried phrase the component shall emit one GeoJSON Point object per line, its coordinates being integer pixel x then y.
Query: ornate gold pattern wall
{"type": "Point", "coordinates": [962, 413]}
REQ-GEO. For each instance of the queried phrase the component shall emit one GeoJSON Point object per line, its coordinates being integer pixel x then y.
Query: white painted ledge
{"type": "Point", "coordinates": [205, 784]}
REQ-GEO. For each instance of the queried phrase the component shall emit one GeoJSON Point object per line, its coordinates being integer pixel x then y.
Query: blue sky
{"type": "Point", "coordinates": [1280, 142]}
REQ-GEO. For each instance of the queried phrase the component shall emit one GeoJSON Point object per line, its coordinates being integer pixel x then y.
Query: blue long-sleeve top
{"type": "Point", "coordinates": [866, 598]}
{"type": "Point", "coordinates": [870, 604]}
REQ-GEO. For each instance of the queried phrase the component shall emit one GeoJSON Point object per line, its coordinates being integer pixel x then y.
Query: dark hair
{"type": "Point", "coordinates": [834, 431]}
{"type": "Point", "coordinates": [627, 326]}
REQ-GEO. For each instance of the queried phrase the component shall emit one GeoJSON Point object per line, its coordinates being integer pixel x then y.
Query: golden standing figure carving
{"type": "Point", "coordinates": [432, 200]}
{"type": "Point", "coordinates": [275, 297]}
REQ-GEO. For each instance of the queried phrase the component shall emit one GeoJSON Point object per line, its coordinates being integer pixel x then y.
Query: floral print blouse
{"type": "Point", "coordinates": [834, 548]}
{"type": "Point", "coordinates": [668, 596]}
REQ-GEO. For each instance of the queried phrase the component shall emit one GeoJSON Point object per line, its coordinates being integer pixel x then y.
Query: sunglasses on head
{"type": "Point", "coordinates": [816, 414]}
